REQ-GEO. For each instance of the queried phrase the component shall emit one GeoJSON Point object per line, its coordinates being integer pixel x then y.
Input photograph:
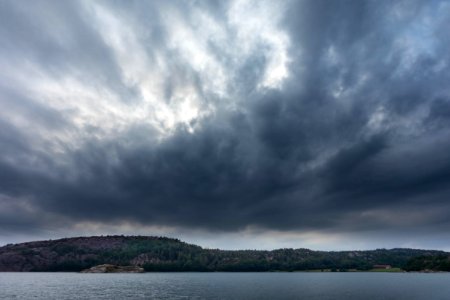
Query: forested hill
{"type": "Point", "coordinates": [165, 254]}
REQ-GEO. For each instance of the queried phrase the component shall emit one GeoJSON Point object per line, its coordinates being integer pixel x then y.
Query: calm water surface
{"type": "Point", "coordinates": [225, 286]}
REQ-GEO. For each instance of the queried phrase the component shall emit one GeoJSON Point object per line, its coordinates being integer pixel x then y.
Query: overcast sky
{"type": "Point", "coordinates": [231, 124]}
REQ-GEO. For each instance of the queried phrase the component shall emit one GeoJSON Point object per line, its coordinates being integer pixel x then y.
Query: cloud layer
{"type": "Point", "coordinates": [298, 116]}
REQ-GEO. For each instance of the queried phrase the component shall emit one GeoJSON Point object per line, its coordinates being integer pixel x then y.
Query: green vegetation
{"type": "Point", "coordinates": [166, 255]}
{"type": "Point", "coordinates": [439, 262]}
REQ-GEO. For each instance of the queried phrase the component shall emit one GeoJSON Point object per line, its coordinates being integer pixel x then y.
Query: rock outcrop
{"type": "Point", "coordinates": [107, 268]}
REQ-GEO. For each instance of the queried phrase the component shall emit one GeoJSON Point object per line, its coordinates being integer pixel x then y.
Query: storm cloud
{"type": "Point", "coordinates": [292, 116]}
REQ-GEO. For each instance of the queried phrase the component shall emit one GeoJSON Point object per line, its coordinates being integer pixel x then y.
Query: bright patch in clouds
{"type": "Point", "coordinates": [256, 25]}
{"type": "Point", "coordinates": [163, 79]}
{"type": "Point", "coordinates": [196, 48]}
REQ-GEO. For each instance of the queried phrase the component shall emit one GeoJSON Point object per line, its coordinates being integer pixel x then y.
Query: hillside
{"type": "Point", "coordinates": [166, 254]}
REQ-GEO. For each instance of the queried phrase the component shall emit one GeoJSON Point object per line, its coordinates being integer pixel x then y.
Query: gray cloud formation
{"type": "Point", "coordinates": [305, 115]}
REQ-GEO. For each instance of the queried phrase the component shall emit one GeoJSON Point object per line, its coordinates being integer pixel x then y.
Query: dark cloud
{"type": "Point", "coordinates": [353, 139]}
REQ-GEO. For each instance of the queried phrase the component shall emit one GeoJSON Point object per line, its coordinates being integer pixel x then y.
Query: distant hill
{"type": "Point", "coordinates": [166, 254]}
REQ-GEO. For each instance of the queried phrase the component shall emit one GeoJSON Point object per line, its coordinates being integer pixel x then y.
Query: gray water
{"type": "Point", "coordinates": [225, 286]}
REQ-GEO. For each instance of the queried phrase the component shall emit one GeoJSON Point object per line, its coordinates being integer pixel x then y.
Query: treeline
{"type": "Point", "coordinates": [432, 263]}
{"type": "Point", "coordinates": [165, 254]}
{"type": "Point", "coordinates": [286, 260]}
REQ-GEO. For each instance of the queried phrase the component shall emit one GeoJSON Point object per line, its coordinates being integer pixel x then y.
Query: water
{"type": "Point", "coordinates": [225, 286]}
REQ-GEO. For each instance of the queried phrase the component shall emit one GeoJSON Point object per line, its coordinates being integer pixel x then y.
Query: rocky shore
{"type": "Point", "coordinates": [107, 268]}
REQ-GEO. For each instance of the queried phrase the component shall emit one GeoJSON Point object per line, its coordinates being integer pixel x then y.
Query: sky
{"type": "Point", "coordinates": [230, 124]}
